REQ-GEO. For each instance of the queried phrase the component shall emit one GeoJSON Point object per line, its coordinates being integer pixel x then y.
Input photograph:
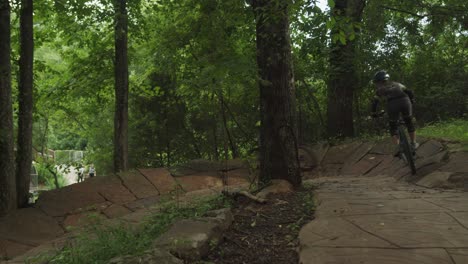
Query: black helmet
{"type": "Point", "coordinates": [381, 76]}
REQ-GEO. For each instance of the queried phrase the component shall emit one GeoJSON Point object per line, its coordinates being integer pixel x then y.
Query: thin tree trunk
{"type": "Point", "coordinates": [215, 142]}
{"type": "Point", "coordinates": [343, 77]}
{"type": "Point", "coordinates": [7, 160]}
{"type": "Point", "coordinates": [228, 133]}
{"type": "Point", "coordinates": [278, 131]}
{"type": "Point", "coordinates": [54, 173]}
{"type": "Point", "coordinates": [25, 98]}
{"type": "Point", "coordinates": [121, 87]}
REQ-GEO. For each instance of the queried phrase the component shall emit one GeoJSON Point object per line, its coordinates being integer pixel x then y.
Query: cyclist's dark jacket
{"type": "Point", "coordinates": [391, 91]}
{"type": "Point", "coordinates": [399, 101]}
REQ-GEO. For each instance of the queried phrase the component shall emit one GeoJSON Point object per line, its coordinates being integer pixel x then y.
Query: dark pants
{"type": "Point", "coordinates": [91, 174]}
{"type": "Point", "coordinates": [396, 107]}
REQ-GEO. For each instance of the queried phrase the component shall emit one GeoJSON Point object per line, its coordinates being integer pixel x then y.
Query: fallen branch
{"type": "Point", "coordinates": [246, 194]}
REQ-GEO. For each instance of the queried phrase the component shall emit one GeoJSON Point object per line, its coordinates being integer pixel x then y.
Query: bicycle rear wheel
{"type": "Point", "coordinates": [407, 150]}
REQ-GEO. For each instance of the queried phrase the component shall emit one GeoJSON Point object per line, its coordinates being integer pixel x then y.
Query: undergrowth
{"type": "Point", "coordinates": [100, 243]}
{"type": "Point", "coordinates": [456, 129]}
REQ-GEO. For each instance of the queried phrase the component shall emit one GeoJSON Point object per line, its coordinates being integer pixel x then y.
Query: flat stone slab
{"type": "Point", "coordinates": [363, 166]}
{"type": "Point", "coordinates": [161, 178]}
{"type": "Point", "coordinates": [435, 179]}
{"type": "Point", "coordinates": [315, 255]}
{"type": "Point", "coordinates": [415, 230]}
{"type": "Point", "coordinates": [48, 249]}
{"type": "Point", "coordinates": [110, 187]}
{"type": "Point", "coordinates": [461, 217]}
{"type": "Point", "coordinates": [458, 162]}
{"type": "Point", "coordinates": [155, 256]}
{"type": "Point", "coordinates": [385, 163]}
{"type": "Point", "coordinates": [115, 211]}
{"type": "Point", "coordinates": [460, 256]}
{"type": "Point", "coordinates": [455, 204]}
{"type": "Point", "coordinates": [429, 148]}
{"type": "Point", "coordinates": [339, 154]}
{"type": "Point", "coordinates": [375, 206]}
{"type": "Point", "coordinates": [313, 154]}
{"type": "Point", "coordinates": [383, 147]}
{"type": "Point", "coordinates": [10, 249]}
{"type": "Point", "coordinates": [358, 154]}
{"type": "Point", "coordinates": [144, 203]}
{"type": "Point", "coordinates": [61, 201]}
{"type": "Point", "coordinates": [29, 226]}
{"type": "Point", "coordinates": [82, 219]}
{"type": "Point", "coordinates": [338, 232]}
{"type": "Point", "coordinates": [138, 184]}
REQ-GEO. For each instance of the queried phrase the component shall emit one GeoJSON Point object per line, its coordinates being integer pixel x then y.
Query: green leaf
{"type": "Point", "coordinates": [342, 39]}
{"type": "Point", "coordinates": [331, 3]}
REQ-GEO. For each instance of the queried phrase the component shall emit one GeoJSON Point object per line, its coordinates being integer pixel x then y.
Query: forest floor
{"type": "Point", "coordinates": [265, 233]}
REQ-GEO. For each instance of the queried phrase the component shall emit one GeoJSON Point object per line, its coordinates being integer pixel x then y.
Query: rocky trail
{"type": "Point", "coordinates": [370, 209]}
{"type": "Point", "coordinates": [375, 211]}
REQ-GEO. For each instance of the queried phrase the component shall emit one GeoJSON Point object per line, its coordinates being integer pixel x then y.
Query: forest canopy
{"type": "Point", "coordinates": [193, 86]}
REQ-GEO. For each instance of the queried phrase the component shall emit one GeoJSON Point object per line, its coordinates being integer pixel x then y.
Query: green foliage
{"type": "Point", "coordinates": [100, 243]}
{"type": "Point", "coordinates": [456, 129]}
{"type": "Point", "coordinates": [191, 62]}
{"type": "Point", "coordinates": [46, 177]}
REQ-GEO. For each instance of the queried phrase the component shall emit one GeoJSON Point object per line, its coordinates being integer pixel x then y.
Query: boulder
{"type": "Point", "coordinates": [224, 217]}
{"type": "Point", "coordinates": [277, 186]}
{"type": "Point", "coordinates": [190, 239]}
{"type": "Point", "coordinates": [200, 181]}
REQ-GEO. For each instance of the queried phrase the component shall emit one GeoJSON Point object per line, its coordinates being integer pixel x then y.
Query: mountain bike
{"type": "Point", "coordinates": [406, 152]}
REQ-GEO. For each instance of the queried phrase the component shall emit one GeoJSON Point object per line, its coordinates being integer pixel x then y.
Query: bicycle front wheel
{"type": "Point", "coordinates": [407, 151]}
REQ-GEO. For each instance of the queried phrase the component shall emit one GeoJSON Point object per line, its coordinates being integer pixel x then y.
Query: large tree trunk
{"type": "Point", "coordinates": [25, 98]}
{"type": "Point", "coordinates": [343, 77]}
{"type": "Point", "coordinates": [121, 87]}
{"type": "Point", "coordinates": [7, 160]}
{"type": "Point", "coordinates": [278, 132]}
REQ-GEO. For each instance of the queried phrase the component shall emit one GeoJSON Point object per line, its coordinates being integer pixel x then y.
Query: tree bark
{"type": "Point", "coordinates": [278, 131]}
{"type": "Point", "coordinates": [7, 160]}
{"type": "Point", "coordinates": [25, 98]}
{"type": "Point", "coordinates": [121, 87]}
{"type": "Point", "coordinates": [343, 77]}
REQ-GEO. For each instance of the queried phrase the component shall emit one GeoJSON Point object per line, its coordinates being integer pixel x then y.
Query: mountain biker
{"type": "Point", "coordinates": [399, 100]}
